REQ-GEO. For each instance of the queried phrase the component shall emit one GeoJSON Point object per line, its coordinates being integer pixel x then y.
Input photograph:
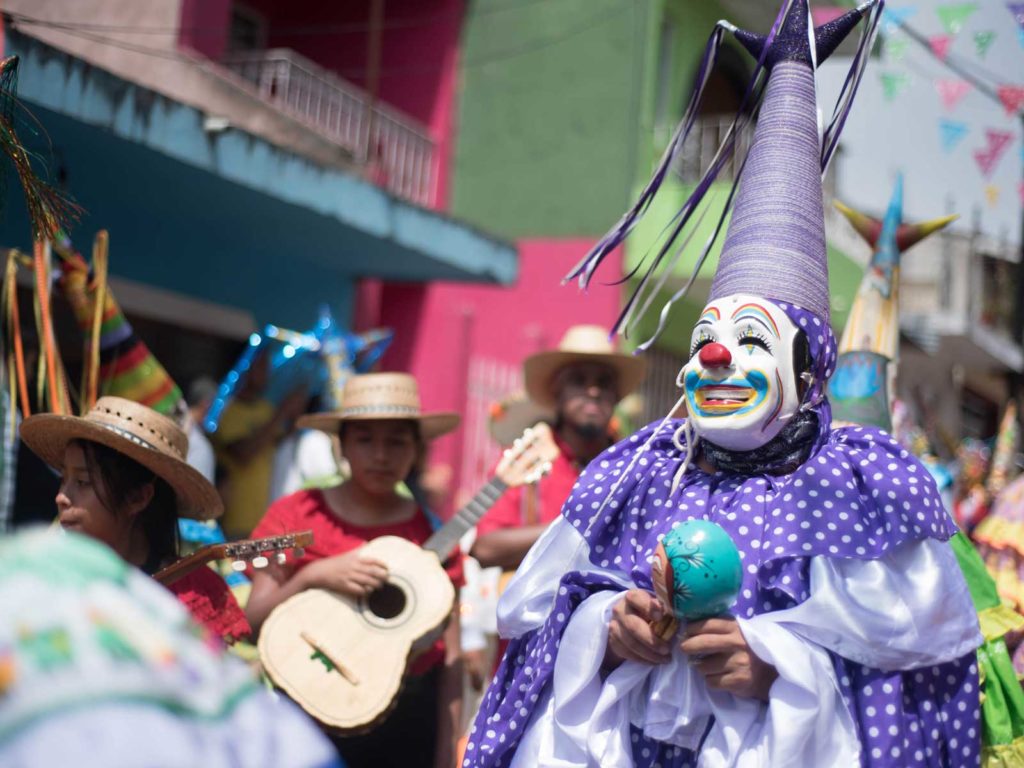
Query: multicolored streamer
{"type": "Point", "coordinates": [49, 209]}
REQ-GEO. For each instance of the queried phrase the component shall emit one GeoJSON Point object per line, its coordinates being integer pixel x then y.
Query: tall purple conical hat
{"type": "Point", "coordinates": [775, 244]}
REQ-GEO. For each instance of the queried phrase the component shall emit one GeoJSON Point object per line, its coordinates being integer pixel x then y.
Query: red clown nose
{"type": "Point", "coordinates": [714, 355]}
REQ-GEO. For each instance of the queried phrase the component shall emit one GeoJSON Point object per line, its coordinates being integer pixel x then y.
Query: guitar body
{"type": "Point", "coordinates": [342, 659]}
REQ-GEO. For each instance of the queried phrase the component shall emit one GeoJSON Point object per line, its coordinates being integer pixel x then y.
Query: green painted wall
{"type": "Point", "coordinates": [557, 100]}
{"type": "Point", "coordinates": [547, 133]}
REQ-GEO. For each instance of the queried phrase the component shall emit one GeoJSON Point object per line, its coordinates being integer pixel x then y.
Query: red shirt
{"type": "Point", "coordinates": [533, 505]}
{"type": "Point", "coordinates": [308, 511]}
{"type": "Point", "coordinates": [211, 604]}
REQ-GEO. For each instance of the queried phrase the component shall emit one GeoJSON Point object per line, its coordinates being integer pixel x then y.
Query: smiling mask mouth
{"type": "Point", "coordinates": [724, 398]}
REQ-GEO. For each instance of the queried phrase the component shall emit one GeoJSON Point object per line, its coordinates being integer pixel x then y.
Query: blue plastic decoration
{"type": "Point", "coordinates": [319, 361]}
{"type": "Point", "coordinates": [697, 570]}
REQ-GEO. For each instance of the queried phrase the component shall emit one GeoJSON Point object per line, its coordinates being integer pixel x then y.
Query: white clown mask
{"type": "Point", "coordinates": [740, 383]}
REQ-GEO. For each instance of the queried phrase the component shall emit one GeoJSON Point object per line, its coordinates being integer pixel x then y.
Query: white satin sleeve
{"type": "Point", "coordinates": [907, 610]}
{"type": "Point", "coordinates": [528, 597]}
{"type": "Point", "coordinates": [586, 718]}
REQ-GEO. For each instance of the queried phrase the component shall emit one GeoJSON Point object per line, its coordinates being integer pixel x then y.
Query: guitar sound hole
{"type": "Point", "coordinates": [386, 602]}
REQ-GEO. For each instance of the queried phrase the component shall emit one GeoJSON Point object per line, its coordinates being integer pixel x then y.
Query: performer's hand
{"type": "Point", "coordinates": [718, 650]}
{"type": "Point", "coordinates": [630, 635]}
{"type": "Point", "coordinates": [350, 574]}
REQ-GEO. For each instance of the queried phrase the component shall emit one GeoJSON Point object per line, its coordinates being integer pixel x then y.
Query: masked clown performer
{"type": "Point", "coordinates": [852, 637]}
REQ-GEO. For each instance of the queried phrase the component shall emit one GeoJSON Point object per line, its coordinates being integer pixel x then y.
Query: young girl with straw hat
{"type": "Point", "coordinates": [383, 434]}
{"type": "Point", "coordinates": [125, 482]}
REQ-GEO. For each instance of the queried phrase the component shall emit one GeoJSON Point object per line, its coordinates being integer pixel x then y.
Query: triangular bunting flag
{"type": "Point", "coordinates": [1012, 97]}
{"type": "Point", "coordinates": [988, 158]}
{"type": "Point", "coordinates": [893, 83]}
{"type": "Point", "coordinates": [895, 48]}
{"type": "Point", "coordinates": [1020, 192]}
{"type": "Point", "coordinates": [983, 41]}
{"type": "Point", "coordinates": [893, 18]}
{"type": "Point", "coordinates": [954, 15]}
{"type": "Point", "coordinates": [951, 133]}
{"type": "Point", "coordinates": [1020, 37]}
{"type": "Point", "coordinates": [1017, 9]}
{"type": "Point", "coordinates": [992, 195]}
{"type": "Point", "coordinates": [951, 92]}
{"type": "Point", "coordinates": [940, 46]}
{"type": "Point", "coordinates": [826, 14]}
{"type": "Point", "coordinates": [998, 141]}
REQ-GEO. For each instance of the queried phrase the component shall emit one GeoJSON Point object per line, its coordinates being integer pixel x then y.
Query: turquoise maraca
{"type": "Point", "coordinates": [697, 572]}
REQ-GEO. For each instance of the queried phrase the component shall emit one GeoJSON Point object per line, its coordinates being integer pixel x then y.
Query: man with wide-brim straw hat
{"type": "Point", "coordinates": [580, 382]}
{"type": "Point", "coordinates": [580, 344]}
{"type": "Point", "coordinates": [125, 482]}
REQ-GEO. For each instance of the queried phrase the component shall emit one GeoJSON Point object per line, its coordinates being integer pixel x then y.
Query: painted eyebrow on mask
{"type": "Point", "coordinates": [759, 314]}
{"type": "Point", "coordinates": [711, 315]}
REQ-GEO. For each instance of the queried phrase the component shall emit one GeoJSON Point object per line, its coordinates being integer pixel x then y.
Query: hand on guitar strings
{"type": "Point", "coordinates": [350, 573]}
{"type": "Point", "coordinates": [719, 651]}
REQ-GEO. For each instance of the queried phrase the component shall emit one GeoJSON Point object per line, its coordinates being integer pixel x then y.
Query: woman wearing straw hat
{"type": "Point", "coordinates": [124, 482]}
{"type": "Point", "coordinates": [384, 434]}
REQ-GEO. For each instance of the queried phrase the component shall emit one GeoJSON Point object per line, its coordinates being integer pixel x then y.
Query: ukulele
{"type": "Point", "coordinates": [241, 553]}
{"type": "Point", "coordinates": [343, 659]}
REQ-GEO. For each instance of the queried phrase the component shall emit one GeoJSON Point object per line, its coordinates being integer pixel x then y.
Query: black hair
{"type": "Point", "coordinates": [116, 479]}
{"type": "Point", "coordinates": [802, 360]}
{"type": "Point", "coordinates": [421, 447]}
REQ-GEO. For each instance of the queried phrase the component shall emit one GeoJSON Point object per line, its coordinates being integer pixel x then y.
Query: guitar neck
{"type": "Point", "coordinates": [245, 550]}
{"type": "Point", "coordinates": [185, 566]}
{"type": "Point", "coordinates": [446, 539]}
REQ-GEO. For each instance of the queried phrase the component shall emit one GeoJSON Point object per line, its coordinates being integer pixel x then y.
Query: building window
{"type": "Point", "coordinates": [999, 288]}
{"type": "Point", "coordinates": [723, 96]}
{"type": "Point", "coordinates": [248, 30]}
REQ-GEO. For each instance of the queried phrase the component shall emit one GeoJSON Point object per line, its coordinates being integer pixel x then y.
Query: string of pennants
{"type": "Point", "coordinates": [953, 18]}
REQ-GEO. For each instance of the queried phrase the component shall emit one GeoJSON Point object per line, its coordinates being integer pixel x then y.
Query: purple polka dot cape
{"type": "Point", "coordinates": [858, 495]}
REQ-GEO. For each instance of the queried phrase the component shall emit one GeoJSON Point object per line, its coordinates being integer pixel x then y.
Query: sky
{"type": "Point", "coordinates": [885, 136]}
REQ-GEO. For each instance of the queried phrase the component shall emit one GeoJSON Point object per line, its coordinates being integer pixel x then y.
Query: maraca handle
{"type": "Point", "coordinates": [665, 628]}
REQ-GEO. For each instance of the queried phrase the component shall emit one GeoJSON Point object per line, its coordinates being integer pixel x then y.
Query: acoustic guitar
{"type": "Point", "coordinates": [241, 553]}
{"type": "Point", "coordinates": [343, 659]}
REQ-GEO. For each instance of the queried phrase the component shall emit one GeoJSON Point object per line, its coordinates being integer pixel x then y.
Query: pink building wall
{"type": "Point", "coordinates": [440, 328]}
{"type": "Point", "coordinates": [419, 52]}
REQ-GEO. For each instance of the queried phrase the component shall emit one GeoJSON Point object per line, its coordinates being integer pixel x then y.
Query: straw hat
{"type": "Point", "coordinates": [510, 417]}
{"type": "Point", "coordinates": [581, 344]}
{"type": "Point", "coordinates": [138, 432]}
{"type": "Point", "coordinates": [375, 396]}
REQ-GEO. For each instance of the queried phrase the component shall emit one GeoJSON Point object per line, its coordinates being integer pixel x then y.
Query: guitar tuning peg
{"type": "Point", "coordinates": [260, 562]}
{"type": "Point", "coordinates": [281, 558]}
{"type": "Point", "coordinates": [238, 565]}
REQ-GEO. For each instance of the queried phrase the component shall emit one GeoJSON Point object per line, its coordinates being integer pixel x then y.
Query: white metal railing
{"type": "Point", "coordinates": [702, 144]}
{"type": "Point", "coordinates": [397, 151]}
{"type": "Point", "coordinates": [490, 380]}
